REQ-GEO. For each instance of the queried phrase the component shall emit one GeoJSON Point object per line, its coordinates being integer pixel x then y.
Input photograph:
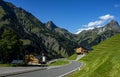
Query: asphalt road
{"type": "Point", "coordinates": [52, 72]}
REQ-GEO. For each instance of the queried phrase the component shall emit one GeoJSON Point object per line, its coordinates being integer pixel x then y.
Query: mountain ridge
{"type": "Point", "coordinates": [37, 38]}
{"type": "Point", "coordinates": [97, 35]}
{"type": "Point", "coordinates": [47, 38]}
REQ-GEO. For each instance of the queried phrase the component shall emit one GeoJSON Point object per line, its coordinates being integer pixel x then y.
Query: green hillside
{"type": "Point", "coordinates": [73, 57]}
{"type": "Point", "coordinates": [103, 61]}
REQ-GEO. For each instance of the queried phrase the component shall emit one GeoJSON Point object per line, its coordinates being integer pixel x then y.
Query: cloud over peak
{"type": "Point", "coordinates": [95, 23]}
{"type": "Point", "coordinates": [98, 23]}
{"type": "Point", "coordinates": [101, 20]}
{"type": "Point", "coordinates": [106, 17]}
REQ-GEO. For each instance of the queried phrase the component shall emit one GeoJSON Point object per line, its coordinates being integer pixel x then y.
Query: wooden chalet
{"type": "Point", "coordinates": [32, 59]}
{"type": "Point", "coordinates": [81, 50]}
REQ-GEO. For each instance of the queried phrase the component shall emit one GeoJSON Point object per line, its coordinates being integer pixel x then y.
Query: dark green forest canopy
{"type": "Point", "coordinates": [10, 46]}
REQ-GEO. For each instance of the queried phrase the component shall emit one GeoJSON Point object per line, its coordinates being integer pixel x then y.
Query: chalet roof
{"type": "Point", "coordinates": [81, 48]}
{"type": "Point", "coordinates": [85, 47]}
{"type": "Point", "coordinates": [35, 55]}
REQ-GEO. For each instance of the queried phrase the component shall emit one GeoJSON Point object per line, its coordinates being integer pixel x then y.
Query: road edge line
{"type": "Point", "coordinates": [20, 72]}
{"type": "Point", "coordinates": [58, 66]}
{"type": "Point", "coordinates": [68, 72]}
{"type": "Point", "coordinates": [78, 68]}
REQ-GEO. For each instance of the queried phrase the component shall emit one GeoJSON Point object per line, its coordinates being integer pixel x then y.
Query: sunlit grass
{"type": "Point", "coordinates": [103, 61]}
{"type": "Point", "coordinates": [73, 57]}
{"type": "Point", "coordinates": [6, 65]}
{"type": "Point", "coordinates": [59, 62]}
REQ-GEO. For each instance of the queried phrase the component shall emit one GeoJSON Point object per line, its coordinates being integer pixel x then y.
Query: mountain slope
{"type": "Point", "coordinates": [97, 35]}
{"type": "Point", "coordinates": [103, 61]}
{"type": "Point", "coordinates": [60, 31]}
{"type": "Point", "coordinates": [37, 38]}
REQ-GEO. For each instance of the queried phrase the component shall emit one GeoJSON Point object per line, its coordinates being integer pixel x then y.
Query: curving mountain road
{"type": "Point", "coordinates": [52, 72]}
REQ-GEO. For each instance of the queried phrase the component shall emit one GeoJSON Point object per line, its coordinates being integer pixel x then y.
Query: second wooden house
{"type": "Point", "coordinates": [81, 50]}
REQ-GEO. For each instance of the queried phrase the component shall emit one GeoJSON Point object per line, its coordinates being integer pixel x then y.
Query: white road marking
{"type": "Point", "coordinates": [68, 72]}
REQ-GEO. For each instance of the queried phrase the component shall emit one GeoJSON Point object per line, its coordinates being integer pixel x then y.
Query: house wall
{"type": "Point", "coordinates": [31, 59]}
{"type": "Point", "coordinates": [81, 50]}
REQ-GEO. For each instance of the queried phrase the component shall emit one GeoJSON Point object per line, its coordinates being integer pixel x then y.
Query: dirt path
{"type": "Point", "coordinates": [79, 57]}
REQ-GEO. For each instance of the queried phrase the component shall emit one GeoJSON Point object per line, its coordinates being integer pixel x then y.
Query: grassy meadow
{"type": "Point", "coordinates": [103, 61]}
{"type": "Point", "coordinates": [59, 62]}
{"type": "Point", "coordinates": [73, 57]}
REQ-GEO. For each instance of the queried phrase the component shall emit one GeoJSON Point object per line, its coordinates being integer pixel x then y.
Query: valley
{"type": "Point", "coordinates": [27, 40]}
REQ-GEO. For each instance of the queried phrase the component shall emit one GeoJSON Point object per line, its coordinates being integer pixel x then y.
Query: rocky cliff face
{"type": "Point", "coordinates": [59, 31]}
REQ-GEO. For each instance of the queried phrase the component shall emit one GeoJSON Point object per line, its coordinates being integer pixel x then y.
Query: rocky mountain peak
{"type": "Point", "coordinates": [50, 25]}
{"type": "Point", "coordinates": [113, 22]}
{"type": "Point", "coordinates": [113, 26]}
{"type": "Point", "coordinates": [97, 35]}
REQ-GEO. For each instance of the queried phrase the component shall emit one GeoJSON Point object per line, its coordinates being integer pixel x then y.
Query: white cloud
{"type": "Point", "coordinates": [80, 30]}
{"type": "Point", "coordinates": [95, 23]}
{"type": "Point", "coordinates": [98, 23]}
{"type": "Point", "coordinates": [101, 20]}
{"type": "Point", "coordinates": [106, 17]}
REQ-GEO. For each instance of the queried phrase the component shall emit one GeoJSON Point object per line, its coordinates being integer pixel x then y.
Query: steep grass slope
{"type": "Point", "coordinates": [73, 57]}
{"type": "Point", "coordinates": [59, 62]}
{"type": "Point", "coordinates": [103, 61]}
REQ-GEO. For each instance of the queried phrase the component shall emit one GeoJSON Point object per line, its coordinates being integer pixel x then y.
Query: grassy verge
{"type": "Point", "coordinates": [5, 65]}
{"type": "Point", "coordinates": [59, 62]}
{"type": "Point", "coordinates": [73, 57]}
{"type": "Point", "coordinates": [103, 61]}
{"type": "Point", "coordinates": [12, 65]}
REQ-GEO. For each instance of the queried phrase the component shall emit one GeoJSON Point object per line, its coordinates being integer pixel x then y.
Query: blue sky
{"type": "Point", "coordinates": [73, 15]}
